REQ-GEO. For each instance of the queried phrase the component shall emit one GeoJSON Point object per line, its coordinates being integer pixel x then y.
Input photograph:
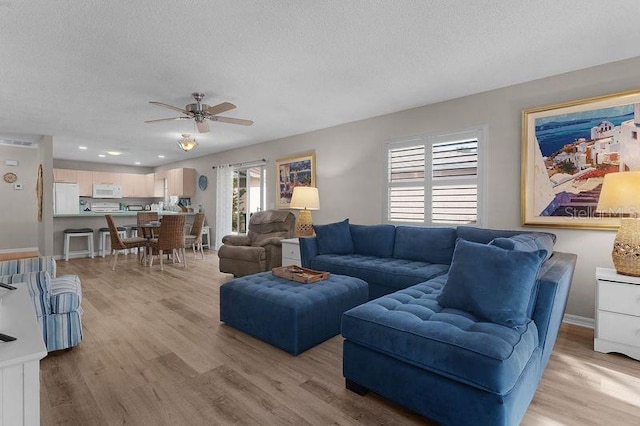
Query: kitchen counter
{"type": "Point", "coordinates": [118, 214]}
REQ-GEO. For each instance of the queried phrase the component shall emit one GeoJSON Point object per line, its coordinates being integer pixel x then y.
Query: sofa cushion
{"type": "Point", "coordinates": [411, 326]}
{"type": "Point", "coordinates": [334, 238]}
{"type": "Point", "coordinates": [527, 242]}
{"type": "Point", "coordinates": [432, 245]}
{"type": "Point", "coordinates": [373, 240]}
{"type": "Point", "coordinates": [483, 235]}
{"type": "Point", "coordinates": [493, 283]}
{"type": "Point", "coordinates": [390, 272]}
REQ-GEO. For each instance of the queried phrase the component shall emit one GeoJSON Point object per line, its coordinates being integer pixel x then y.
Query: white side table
{"type": "Point", "coordinates": [617, 313]}
{"type": "Point", "coordinates": [291, 252]}
{"type": "Point", "coordinates": [20, 359]}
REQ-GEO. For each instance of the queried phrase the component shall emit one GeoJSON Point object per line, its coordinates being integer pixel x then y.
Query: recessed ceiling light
{"type": "Point", "coordinates": [160, 156]}
{"type": "Point", "coordinates": [137, 163]}
{"type": "Point", "coordinates": [101, 155]}
{"type": "Point", "coordinates": [114, 152]}
{"type": "Point", "coordinates": [83, 148]}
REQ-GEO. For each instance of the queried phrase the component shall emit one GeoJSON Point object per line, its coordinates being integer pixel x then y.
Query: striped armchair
{"type": "Point", "coordinates": [56, 299]}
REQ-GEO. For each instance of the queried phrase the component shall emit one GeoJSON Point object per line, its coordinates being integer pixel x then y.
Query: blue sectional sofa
{"type": "Point", "coordinates": [442, 337]}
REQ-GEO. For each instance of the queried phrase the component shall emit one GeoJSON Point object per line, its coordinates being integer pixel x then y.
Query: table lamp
{"type": "Point", "coordinates": [305, 198]}
{"type": "Point", "coordinates": [620, 196]}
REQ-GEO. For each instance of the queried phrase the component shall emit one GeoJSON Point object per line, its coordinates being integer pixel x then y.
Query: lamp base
{"type": "Point", "coordinates": [304, 226]}
{"type": "Point", "coordinates": [626, 248]}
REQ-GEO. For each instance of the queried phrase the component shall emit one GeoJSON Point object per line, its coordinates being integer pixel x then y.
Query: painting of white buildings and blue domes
{"type": "Point", "coordinates": [573, 152]}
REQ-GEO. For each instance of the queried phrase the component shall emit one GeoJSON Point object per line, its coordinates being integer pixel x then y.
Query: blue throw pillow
{"type": "Point", "coordinates": [492, 283]}
{"type": "Point", "coordinates": [334, 238]}
{"type": "Point", "coordinates": [527, 242]}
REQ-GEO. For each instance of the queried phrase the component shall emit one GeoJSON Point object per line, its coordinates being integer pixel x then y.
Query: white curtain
{"type": "Point", "coordinates": [224, 202]}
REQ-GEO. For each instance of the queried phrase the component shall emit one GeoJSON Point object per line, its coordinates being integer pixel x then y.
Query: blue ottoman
{"type": "Point", "coordinates": [292, 316]}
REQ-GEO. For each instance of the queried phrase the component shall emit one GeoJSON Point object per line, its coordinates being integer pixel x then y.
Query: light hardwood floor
{"type": "Point", "coordinates": [154, 353]}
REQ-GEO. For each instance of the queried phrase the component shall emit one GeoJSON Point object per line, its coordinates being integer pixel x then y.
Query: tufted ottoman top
{"type": "Point", "coordinates": [287, 314]}
{"type": "Point", "coordinates": [270, 288]}
{"type": "Point", "coordinates": [410, 325]}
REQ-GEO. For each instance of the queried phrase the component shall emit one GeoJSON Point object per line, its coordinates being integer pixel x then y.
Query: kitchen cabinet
{"type": "Point", "coordinates": [107, 178]}
{"type": "Point", "coordinates": [182, 182]}
{"type": "Point", "coordinates": [149, 184]}
{"type": "Point", "coordinates": [85, 181]}
{"type": "Point", "coordinates": [135, 185]}
{"type": "Point", "coordinates": [128, 189]}
{"type": "Point", "coordinates": [65, 176]}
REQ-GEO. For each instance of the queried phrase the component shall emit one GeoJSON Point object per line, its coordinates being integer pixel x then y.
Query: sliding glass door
{"type": "Point", "coordinates": [249, 186]}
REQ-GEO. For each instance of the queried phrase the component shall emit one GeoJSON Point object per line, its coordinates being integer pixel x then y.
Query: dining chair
{"type": "Point", "coordinates": [118, 243]}
{"type": "Point", "coordinates": [145, 217]}
{"type": "Point", "coordinates": [170, 239]}
{"type": "Point", "coordinates": [194, 238]}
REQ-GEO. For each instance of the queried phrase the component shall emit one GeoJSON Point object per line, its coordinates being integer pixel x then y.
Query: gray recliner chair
{"type": "Point", "coordinates": [259, 250]}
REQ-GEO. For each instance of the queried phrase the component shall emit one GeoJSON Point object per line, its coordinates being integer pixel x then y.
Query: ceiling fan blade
{"type": "Point", "coordinates": [203, 126]}
{"type": "Point", "coordinates": [220, 108]}
{"type": "Point", "coordinates": [230, 120]}
{"type": "Point", "coordinates": [168, 119]}
{"type": "Point", "coordinates": [170, 107]}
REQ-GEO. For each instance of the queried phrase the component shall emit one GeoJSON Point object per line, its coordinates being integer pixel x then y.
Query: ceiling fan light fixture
{"type": "Point", "coordinates": [187, 143]}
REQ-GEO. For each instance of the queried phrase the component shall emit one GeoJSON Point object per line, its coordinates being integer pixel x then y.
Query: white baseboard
{"type": "Point", "coordinates": [579, 321]}
{"type": "Point", "coordinates": [19, 250]}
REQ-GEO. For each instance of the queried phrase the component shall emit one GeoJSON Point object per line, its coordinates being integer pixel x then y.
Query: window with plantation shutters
{"type": "Point", "coordinates": [435, 180]}
{"type": "Point", "coordinates": [406, 183]}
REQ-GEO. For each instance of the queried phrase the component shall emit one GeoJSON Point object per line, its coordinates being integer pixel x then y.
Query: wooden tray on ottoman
{"type": "Point", "coordinates": [299, 274]}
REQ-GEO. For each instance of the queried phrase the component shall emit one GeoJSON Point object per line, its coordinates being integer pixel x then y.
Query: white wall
{"type": "Point", "coordinates": [350, 160]}
{"type": "Point", "coordinates": [19, 228]}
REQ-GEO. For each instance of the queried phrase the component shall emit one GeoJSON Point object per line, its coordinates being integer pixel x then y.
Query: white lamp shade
{"type": "Point", "coordinates": [305, 198]}
{"type": "Point", "coordinates": [620, 194]}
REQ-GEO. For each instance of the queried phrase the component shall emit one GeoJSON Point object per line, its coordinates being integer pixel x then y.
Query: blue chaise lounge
{"type": "Point", "coordinates": [465, 319]}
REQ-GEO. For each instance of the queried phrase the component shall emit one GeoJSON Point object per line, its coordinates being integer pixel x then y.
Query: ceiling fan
{"type": "Point", "coordinates": [203, 112]}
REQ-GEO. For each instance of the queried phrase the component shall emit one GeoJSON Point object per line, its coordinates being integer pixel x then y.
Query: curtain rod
{"type": "Point", "coordinates": [245, 163]}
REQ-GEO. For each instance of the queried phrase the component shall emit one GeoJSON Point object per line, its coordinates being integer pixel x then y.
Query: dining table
{"type": "Point", "coordinates": [152, 230]}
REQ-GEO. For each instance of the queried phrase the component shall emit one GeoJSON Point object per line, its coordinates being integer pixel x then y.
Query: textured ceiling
{"type": "Point", "coordinates": [84, 70]}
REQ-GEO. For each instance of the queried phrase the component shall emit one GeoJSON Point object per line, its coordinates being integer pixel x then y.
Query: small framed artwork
{"type": "Point", "coordinates": [567, 150]}
{"type": "Point", "coordinates": [292, 172]}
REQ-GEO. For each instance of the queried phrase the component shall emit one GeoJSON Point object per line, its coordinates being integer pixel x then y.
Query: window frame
{"type": "Point", "coordinates": [428, 140]}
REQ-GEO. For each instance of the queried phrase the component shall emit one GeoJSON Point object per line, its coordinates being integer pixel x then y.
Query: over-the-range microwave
{"type": "Point", "coordinates": [107, 191]}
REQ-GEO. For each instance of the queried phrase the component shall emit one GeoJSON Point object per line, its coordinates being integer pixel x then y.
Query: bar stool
{"type": "Point", "coordinates": [106, 235]}
{"type": "Point", "coordinates": [78, 232]}
{"type": "Point", "coordinates": [132, 230]}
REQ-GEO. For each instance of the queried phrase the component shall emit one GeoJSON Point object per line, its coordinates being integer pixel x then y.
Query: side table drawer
{"type": "Point", "coordinates": [619, 297]}
{"type": "Point", "coordinates": [291, 251]}
{"type": "Point", "coordinates": [619, 328]}
{"type": "Point", "coordinates": [286, 261]}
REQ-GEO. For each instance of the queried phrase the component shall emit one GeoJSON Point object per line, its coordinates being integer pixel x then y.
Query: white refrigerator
{"type": "Point", "coordinates": [66, 198]}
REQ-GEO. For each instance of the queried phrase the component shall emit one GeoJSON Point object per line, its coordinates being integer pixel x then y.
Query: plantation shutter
{"type": "Point", "coordinates": [454, 182]}
{"type": "Point", "coordinates": [406, 184]}
{"type": "Point", "coordinates": [434, 180]}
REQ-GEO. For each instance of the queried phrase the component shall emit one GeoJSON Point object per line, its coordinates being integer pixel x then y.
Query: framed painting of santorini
{"type": "Point", "coordinates": [567, 150]}
{"type": "Point", "coordinates": [292, 172]}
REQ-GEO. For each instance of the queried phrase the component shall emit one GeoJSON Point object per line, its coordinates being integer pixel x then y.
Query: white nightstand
{"type": "Point", "coordinates": [617, 313]}
{"type": "Point", "coordinates": [291, 252]}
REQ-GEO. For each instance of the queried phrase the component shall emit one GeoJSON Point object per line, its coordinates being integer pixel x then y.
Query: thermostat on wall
{"type": "Point", "coordinates": [17, 186]}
